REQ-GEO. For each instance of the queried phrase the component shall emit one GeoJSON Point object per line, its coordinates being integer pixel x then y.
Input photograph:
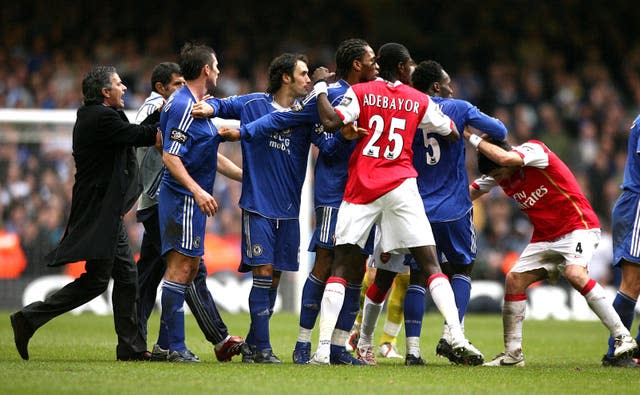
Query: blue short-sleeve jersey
{"type": "Point", "coordinates": [631, 179]}
{"type": "Point", "coordinates": [442, 175]}
{"type": "Point", "coordinates": [194, 140]}
{"type": "Point", "coordinates": [330, 174]}
{"type": "Point", "coordinates": [274, 160]}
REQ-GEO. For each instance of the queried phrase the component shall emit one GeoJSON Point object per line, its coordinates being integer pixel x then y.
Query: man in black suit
{"type": "Point", "coordinates": [106, 186]}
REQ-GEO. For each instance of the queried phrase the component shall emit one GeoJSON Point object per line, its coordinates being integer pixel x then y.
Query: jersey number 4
{"type": "Point", "coordinates": [376, 123]}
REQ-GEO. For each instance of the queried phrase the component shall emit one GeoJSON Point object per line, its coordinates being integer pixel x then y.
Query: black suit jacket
{"type": "Point", "coordinates": [106, 182]}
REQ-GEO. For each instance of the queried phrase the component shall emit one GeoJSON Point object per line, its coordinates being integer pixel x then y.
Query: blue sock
{"type": "Point", "coordinates": [337, 349]}
{"type": "Point", "coordinates": [461, 285]}
{"type": "Point", "coordinates": [259, 308]}
{"type": "Point", "coordinates": [624, 306]}
{"type": "Point", "coordinates": [250, 339]}
{"type": "Point", "coordinates": [172, 317]}
{"type": "Point", "coordinates": [311, 299]}
{"type": "Point", "coordinates": [273, 294]}
{"type": "Point", "coordinates": [350, 307]}
{"type": "Point", "coordinates": [414, 303]}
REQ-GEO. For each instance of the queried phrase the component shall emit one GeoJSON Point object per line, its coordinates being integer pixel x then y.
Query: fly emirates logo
{"type": "Point", "coordinates": [525, 201]}
{"type": "Point", "coordinates": [391, 103]}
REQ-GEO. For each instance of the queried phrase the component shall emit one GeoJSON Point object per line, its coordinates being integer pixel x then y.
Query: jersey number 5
{"type": "Point", "coordinates": [432, 146]}
{"type": "Point", "coordinates": [376, 123]}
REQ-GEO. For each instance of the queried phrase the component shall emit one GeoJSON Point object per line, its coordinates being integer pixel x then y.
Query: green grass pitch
{"type": "Point", "coordinates": [76, 355]}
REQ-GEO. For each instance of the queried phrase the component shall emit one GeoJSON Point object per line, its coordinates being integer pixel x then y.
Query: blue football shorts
{"type": "Point", "coordinates": [625, 227]}
{"type": "Point", "coordinates": [182, 223]}
{"type": "Point", "coordinates": [456, 240]}
{"type": "Point", "coordinates": [269, 241]}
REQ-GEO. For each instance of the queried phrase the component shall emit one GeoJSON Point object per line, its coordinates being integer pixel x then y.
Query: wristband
{"type": "Point", "coordinates": [320, 87]}
{"type": "Point", "coordinates": [475, 140]}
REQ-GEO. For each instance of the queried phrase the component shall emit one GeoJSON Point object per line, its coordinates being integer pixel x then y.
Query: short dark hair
{"type": "Point", "coordinates": [486, 165]}
{"type": "Point", "coordinates": [389, 55]}
{"type": "Point", "coordinates": [426, 74]}
{"type": "Point", "coordinates": [348, 51]}
{"type": "Point", "coordinates": [193, 57]}
{"type": "Point", "coordinates": [97, 78]}
{"type": "Point", "coordinates": [283, 64]}
{"type": "Point", "coordinates": [163, 73]}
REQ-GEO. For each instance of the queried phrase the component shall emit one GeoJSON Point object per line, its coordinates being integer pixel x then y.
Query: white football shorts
{"type": "Point", "coordinates": [574, 248]}
{"type": "Point", "coordinates": [399, 215]}
{"type": "Point", "coordinates": [381, 259]}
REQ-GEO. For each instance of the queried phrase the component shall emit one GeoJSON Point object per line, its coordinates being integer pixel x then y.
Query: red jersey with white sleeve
{"type": "Point", "coordinates": [547, 191]}
{"type": "Point", "coordinates": [391, 112]}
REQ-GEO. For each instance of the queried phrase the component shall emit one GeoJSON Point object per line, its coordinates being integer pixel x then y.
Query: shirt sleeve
{"type": "Point", "coordinates": [148, 108]}
{"type": "Point", "coordinates": [635, 125]}
{"type": "Point", "coordinates": [227, 108]}
{"type": "Point", "coordinates": [175, 136]}
{"type": "Point", "coordinates": [484, 184]}
{"type": "Point", "coordinates": [331, 144]}
{"type": "Point", "coordinates": [533, 155]}
{"type": "Point", "coordinates": [349, 108]}
{"type": "Point", "coordinates": [486, 124]}
{"type": "Point", "coordinates": [434, 120]}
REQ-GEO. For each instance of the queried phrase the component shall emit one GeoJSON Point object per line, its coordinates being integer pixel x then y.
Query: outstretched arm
{"type": "Point", "coordinates": [229, 169]}
{"type": "Point", "coordinates": [328, 116]}
{"type": "Point", "coordinates": [496, 154]}
{"type": "Point", "coordinates": [475, 193]}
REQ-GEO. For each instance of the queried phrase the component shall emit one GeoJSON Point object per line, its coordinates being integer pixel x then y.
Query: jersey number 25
{"type": "Point", "coordinates": [376, 123]}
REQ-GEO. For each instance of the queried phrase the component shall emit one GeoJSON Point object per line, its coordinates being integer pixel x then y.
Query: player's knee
{"type": "Point", "coordinates": [458, 268]}
{"type": "Point", "coordinates": [576, 275]}
{"type": "Point", "coordinates": [321, 270]}
{"type": "Point", "coordinates": [515, 283]}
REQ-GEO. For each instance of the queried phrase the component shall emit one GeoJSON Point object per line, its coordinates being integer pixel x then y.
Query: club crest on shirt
{"type": "Point", "coordinates": [178, 135]}
{"type": "Point", "coordinates": [257, 249]}
{"type": "Point", "coordinates": [297, 106]}
{"type": "Point", "coordinates": [318, 128]}
{"type": "Point", "coordinates": [345, 101]}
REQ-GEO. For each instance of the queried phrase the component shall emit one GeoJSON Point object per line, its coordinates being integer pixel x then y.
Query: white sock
{"type": "Point", "coordinates": [391, 328]}
{"type": "Point", "coordinates": [370, 313]}
{"type": "Point", "coordinates": [332, 301]}
{"type": "Point", "coordinates": [304, 335]}
{"type": "Point", "coordinates": [413, 346]}
{"type": "Point", "coordinates": [513, 313]}
{"type": "Point", "coordinates": [217, 346]}
{"type": "Point", "coordinates": [446, 333]}
{"type": "Point", "coordinates": [442, 296]}
{"type": "Point", "coordinates": [339, 337]}
{"type": "Point", "coordinates": [605, 311]}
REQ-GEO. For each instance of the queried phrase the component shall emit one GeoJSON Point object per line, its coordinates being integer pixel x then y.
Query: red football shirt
{"type": "Point", "coordinates": [391, 112]}
{"type": "Point", "coordinates": [548, 192]}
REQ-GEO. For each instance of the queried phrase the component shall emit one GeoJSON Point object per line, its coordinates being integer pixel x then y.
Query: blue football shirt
{"type": "Point", "coordinates": [274, 161]}
{"type": "Point", "coordinates": [631, 178]}
{"type": "Point", "coordinates": [195, 141]}
{"type": "Point", "coordinates": [442, 175]}
{"type": "Point", "coordinates": [330, 173]}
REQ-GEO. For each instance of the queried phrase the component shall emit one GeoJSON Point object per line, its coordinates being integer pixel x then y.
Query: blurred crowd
{"type": "Point", "coordinates": [572, 82]}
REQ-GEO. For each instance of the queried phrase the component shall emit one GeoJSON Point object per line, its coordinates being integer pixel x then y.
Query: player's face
{"type": "Point", "coordinates": [301, 79]}
{"type": "Point", "coordinates": [405, 71]}
{"type": "Point", "coordinates": [177, 82]}
{"type": "Point", "coordinates": [214, 72]}
{"type": "Point", "coordinates": [445, 86]}
{"type": "Point", "coordinates": [370, 68]}
{"type": "Point", "coordinates": [114, 96]}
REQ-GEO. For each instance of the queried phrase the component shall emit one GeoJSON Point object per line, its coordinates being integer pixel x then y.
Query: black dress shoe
{"type": "Point", "coordinates": [136, 356]}
{"type": "Point", "coordinates": [22, 332]}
